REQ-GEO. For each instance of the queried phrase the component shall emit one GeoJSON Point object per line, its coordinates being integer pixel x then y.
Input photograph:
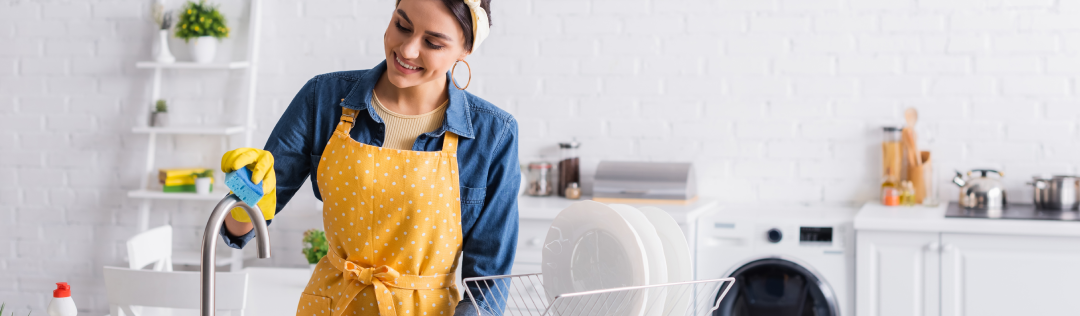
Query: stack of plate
{"type": "Point", "coordinates": [593, 246]}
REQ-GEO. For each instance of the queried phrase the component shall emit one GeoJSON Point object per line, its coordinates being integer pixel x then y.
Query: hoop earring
{"type": "Point", "coordinates": [455, 80]}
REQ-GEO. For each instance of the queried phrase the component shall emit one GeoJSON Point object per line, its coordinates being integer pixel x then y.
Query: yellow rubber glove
{"type": "Point", "coordinates": [261, 163]}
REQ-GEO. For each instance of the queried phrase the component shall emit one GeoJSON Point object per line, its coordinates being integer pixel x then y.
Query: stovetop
{"type": "Point", "coordinates": [1013, 211]}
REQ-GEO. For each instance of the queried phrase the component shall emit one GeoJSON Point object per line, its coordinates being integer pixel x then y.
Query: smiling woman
{"type": "Point", "coordinates": [417, 177]}
{"type": "Point", "coordinates": [423, 41]}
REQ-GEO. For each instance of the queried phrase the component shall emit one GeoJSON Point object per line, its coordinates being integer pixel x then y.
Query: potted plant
{"type": "Point", "coordinates": [204, 23]}
{"type": "Point", "coordinates": [160, 116]}
{"type": "Point", "coordinates": [315, 246]}
{"type": "Point", "coordinates": [203, 181]}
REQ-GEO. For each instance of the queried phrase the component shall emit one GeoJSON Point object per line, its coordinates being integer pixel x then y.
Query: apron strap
{"type": "Point", "coordinates": [348, 116]}
{"type": "Point", "coordinates": [450, 142]}
{"type": "Point", "coordinates": [384, 279]}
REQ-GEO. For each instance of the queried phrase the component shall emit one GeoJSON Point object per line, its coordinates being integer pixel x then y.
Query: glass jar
{"type": "Point", "coordinates": [568, 166]}
{"type": "Point", "coordinates": [890, 153]}
{"type": "Point", "coordinates": [573, 192]}
{"type": "Point", "coordinates": [930, 184]}
{"type": "Point", "coordinates": [538, 184]}
{"type": "Point", "coordinates": [890, 166]}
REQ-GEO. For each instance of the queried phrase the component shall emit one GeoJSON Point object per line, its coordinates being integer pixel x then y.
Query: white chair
{"type": "Point", "coordinates": [151, 246]}
{"type": "Point", "coordinates": [127, 288]}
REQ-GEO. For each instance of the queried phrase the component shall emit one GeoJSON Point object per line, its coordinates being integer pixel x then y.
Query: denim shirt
{"type": "Point", "coordinates": [487, 154]}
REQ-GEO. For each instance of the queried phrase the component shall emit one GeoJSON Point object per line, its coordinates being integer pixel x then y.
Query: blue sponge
{"type": "Point", "coordinates": [239, 182]}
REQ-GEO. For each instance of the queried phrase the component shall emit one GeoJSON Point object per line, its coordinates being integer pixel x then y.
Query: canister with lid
{"type": "Point", "coordinates": [568, 166]}
{"type": "Point", "coordinates": [538, 184]}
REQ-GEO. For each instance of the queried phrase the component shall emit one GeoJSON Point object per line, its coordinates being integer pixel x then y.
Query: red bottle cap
{"type": "Point", "coordinates": [62, 290]}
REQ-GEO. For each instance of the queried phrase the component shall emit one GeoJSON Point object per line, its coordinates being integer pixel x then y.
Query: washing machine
{"type": "Point", "coordinates": [786, 261]}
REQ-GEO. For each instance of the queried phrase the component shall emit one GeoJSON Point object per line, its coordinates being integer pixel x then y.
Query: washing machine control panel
{"type": "Point", "coordinates": [816, 234]}
{"type": "Point", "coordinates": [808, 235]}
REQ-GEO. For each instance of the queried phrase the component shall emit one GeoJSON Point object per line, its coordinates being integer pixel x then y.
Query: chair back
{"type": "Point", "coordinates": [170, 289]}
{"type": "Point", "coordinates": [153, 246]}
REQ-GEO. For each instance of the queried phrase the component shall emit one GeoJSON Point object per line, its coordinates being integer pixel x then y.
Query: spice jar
{"type": "Point", "coordinates": [538, 184]}
{"type": "Point", "coordinates": [568, 166]}
{"type": "Point", "coordinates": [573, 192]}
{"type": "Point", "coordinates": [907, 193]}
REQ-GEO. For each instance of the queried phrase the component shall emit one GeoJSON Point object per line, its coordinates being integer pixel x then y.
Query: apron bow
{"type": "Point", "coordinates": [377, 277]}
{"type": "Point", "coordinates": [382, 279]}
{"type": "Point", "coordinates": [382, 274]}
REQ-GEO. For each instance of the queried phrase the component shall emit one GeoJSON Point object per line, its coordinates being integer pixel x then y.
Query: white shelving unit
{"type": "Point", "coordinates": [148, 196]}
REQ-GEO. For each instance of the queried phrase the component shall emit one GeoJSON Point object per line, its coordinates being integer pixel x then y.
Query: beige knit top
{"type": "Point", "coordinates": [402, 130]}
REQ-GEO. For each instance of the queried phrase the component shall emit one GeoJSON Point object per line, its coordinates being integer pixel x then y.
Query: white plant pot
{"type": "Point", "coordinates": [312, 267]}
{"type": "Point", "coordinates": [159, 119]}
{"type": "Point", "coordinates": [203, 49]}
{"type": "Point", "coordinates": [163, 53]}
{"type": "Point", "coordinates": [202, 185]}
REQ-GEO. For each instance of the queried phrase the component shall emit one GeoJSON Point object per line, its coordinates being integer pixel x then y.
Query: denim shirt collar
{"type": "Point", "coordinates": [457, 112]}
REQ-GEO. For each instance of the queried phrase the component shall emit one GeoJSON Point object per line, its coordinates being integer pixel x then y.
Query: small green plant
{"type": "Point", "coordinates": [160, 106]}
{"type": "Point", "coordinates": [315, 245]}
{"type": "Point", "coordinates": [2, 305]}
{"type": "Point", "coordinates": [201, 19]}
{"type": "Point", "coordinates": [208, 173]}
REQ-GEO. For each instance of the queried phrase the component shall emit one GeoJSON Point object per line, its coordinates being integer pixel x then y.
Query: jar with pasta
{"type": "Point", "coordinates": [890, 166]}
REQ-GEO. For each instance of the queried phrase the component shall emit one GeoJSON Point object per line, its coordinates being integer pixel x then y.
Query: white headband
{"type": "Point", "coordinates": [479, 22]}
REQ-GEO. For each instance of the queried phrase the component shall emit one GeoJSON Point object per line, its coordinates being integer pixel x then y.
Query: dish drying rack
{"type": "Point", "coordinates": [524, 295]}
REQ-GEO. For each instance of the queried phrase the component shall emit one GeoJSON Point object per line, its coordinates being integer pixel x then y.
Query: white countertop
{"type": "Point", "coordinates": [874, 216]}
{"type": "Point", "coordinates": [546, 208]}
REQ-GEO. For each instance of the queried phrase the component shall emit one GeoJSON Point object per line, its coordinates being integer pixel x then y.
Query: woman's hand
{"type": "Point", "coordinates": [261, 163]}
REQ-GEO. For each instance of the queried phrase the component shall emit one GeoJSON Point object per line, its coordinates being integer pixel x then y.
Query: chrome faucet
{"type": "Point", "coordinates": [209, 245]}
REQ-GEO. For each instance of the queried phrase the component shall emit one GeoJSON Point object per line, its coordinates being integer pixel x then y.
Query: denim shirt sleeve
{"type": "Point", "coordinates": [489, 247]}
{"type": "Point", "coordinates": [291, 143]}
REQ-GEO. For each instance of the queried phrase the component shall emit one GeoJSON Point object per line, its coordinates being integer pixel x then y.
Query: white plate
{"type": "Point", "coordinates": [654, 252]}
{"type": "Point", "coordinates": [677, 252]}
{"type": "Point", "coordinates": [590, 247]}
{"type": "Point", "coordinates": [521, 189]}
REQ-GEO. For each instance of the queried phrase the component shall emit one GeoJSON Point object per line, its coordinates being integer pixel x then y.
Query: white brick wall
{"type": "Point", "coordinates": [777, 101]}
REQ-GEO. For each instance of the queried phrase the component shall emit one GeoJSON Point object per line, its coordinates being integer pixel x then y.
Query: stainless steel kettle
{"type": "Point", "coordinates": [982, 192]}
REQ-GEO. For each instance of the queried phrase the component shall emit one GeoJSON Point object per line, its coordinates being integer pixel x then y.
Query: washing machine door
{"type": "Point", "coordinates": [777, 287]}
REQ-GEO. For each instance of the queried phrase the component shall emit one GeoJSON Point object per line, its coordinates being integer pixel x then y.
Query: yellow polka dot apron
{"type": "Point", "coordinates": [392, 220]}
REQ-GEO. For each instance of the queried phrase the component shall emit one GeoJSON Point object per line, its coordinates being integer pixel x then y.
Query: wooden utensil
{"type": "Point", "coordinates": [918, 174]}
{"type": "Point", "coordinates": [908, 144]}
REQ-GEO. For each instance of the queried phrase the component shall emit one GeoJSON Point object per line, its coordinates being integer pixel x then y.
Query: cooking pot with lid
{"type": "Point", "coordinates": [1056, 193]}
{"type": "Point", "coordinates": [981, 192]}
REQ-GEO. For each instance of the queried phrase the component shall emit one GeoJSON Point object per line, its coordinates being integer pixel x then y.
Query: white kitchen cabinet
{"type": "Point", "coordinates": [897, 273]}
{"type": "Point", "coordinates": [915, 261]}
{"type": "Point", "coordinates": [988, 275]}
{"type": "Point", "coordinates": [531, 235]}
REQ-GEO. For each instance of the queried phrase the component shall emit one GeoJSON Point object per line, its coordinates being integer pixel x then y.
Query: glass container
{"type": "Point", "coordinates": [569, 164]}
{"type": "Point", "coordinates": [538, 183]}
{"type": "Point", "coordinates": [890, 166]}
{"type": "Point", "coordinates": [573, 192]}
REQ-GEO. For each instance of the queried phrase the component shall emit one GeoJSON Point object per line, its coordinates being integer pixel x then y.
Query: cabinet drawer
{"type": "Point", "coordinates": [531, 235]}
